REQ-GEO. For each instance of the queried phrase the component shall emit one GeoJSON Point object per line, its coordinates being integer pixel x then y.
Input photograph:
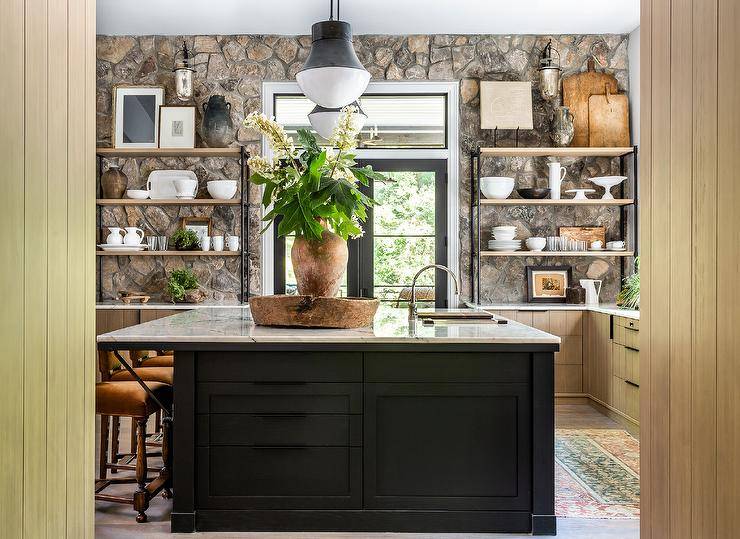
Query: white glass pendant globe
{"type": "Point", "coordinates": [324, 120]}
{"type": "Point", "coordinates": [333, 87]}
{"type": "Point", "coordinates": [332, 76]}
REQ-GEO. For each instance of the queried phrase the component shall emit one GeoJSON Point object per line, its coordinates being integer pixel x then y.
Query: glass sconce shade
{"type": "Point", "coordinates": [549, 82]}
{"type": "Point", "coordinates": [184, 83]}
{"type": "Point", "coordinates": [324, 120]}
{"type": "Point", "coordinates": [332, 76]}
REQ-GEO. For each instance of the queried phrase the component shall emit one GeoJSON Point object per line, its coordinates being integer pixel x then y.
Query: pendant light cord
{"type": "Point", "coordinates": [331, 10]}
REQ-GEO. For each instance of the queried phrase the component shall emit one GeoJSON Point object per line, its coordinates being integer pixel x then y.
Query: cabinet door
{"type": "Point", "coordinates": [447, 446]}
{"type": "Point", "coordinates": [598, 356]}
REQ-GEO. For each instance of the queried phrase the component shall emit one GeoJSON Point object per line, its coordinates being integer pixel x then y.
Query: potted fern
{"type": "Point", "coordinates": [315, 194]}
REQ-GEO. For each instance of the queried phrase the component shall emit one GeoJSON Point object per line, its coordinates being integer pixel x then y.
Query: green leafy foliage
{"type": "Point", "coordinates": [629, 296]}
{"type": "Point", "coordinates": [316, 190]}
{"type": "Point", "coordinates": [185, 240]}
{"type": "Point", "coordinates": [181, 281]}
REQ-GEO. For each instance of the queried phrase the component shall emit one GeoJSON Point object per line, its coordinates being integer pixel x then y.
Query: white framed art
{"type": "Point", "coordinates": [177, 126]}
{"type": "Point", "coordinates": [136, 116]}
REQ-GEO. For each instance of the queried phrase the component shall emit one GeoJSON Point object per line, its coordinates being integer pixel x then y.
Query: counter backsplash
{"type": "Point", "coordinates": [235, 66]}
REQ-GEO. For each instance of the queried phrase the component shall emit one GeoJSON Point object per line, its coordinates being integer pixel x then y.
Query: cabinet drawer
{"type": "Point", "coordinates": [277, 398]}
{"type": "Point", "coordinates": [447, 367]}
{"type": "Point", "coordinates": [279, 367]}
{"type": "Point", "coordinates": [626, 397]}
{"type": "Point", "coordinates": [279, 429]}
{"type": "Point", "coordinates": [629, 323]}
{"type": "Point", "coordinates": [279, 477]}
{"type": "Point", "coordinates": [627, 336]}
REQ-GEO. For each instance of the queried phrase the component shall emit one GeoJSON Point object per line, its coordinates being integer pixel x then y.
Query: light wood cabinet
{"type": "Point", "coordinates": [598, 364]}
{"type": "Point", "coordinates": [147, 315]}
{"type": "Point", "coordinates": [112, 319]}
{"type": "Point", "coordinates": [568, 325]}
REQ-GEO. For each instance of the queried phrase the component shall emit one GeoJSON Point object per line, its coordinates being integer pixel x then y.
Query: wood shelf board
{"type": "Point", "coordinates": [166, 202]}
{"type": "Point", "coordinates": [551, 202]}
{"type": "Point", "coordinates": [168, 253]}
{"type": "Point", "coordinates": [599, 254]}
{"type": "Point", "coordinates": [168, 152]}
{"type": "Point", "coordinates": [556, 152]}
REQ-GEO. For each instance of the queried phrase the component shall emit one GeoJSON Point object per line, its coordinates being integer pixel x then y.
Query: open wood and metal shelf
{"type": "Point", "coordinates": [167, 253]}
{"type": "Point", "coordinates": [600, 254]}
{"type": "Point", "coordinates": [238, 152]}
{"type": "Point", "coordinates": [551, 202]}
{"type": "Point", "coordinates": [477, 253]}
{"type": "Point", "coordinates": [167, 202]}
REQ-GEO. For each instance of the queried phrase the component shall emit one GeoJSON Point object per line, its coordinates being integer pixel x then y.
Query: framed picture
{"type": "Point", "coordinates": [547, 284]}
{"type": "Point", "coordinates": [136, 116]}
{"type": "Point", "coordinates": [176, 126]}
{"type": "Point", "coordinates": [200, 225]}
{"type": "Point", "coordinates": [506, 105]}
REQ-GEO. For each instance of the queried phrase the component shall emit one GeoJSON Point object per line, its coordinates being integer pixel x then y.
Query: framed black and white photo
{"type": "Point", "coordinates": [176, 126]}
{"type": "Point", "coordinates": [136, 116]}
{"type": "Point", "coordinates": [547, 284]}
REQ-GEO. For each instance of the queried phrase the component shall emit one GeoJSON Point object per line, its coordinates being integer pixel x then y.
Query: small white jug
{"type": "Point", "coordinates": [115, 237]}
{"type": "Point", "coordinates": [556, 177]}
{"type": "Point", "coordinates": [592, 291]}
{"type": "Point", "coordinates": [134, 236]}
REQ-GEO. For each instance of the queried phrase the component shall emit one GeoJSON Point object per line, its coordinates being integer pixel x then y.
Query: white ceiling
{"type": "Point", "coordinates": [291, 17]}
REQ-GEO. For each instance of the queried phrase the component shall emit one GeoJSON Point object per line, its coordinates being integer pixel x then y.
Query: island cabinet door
{"type": "Point", "coordinates": [450, 446]}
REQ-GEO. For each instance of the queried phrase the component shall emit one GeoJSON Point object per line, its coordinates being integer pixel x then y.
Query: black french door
{"type": "Point", "coordinates": [407, 230]}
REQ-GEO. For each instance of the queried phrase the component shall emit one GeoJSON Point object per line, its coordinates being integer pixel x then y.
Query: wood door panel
{"type": "Point", "coordinates": [415, 434]}
{"type": "Point", "coordinates": [568, 379]}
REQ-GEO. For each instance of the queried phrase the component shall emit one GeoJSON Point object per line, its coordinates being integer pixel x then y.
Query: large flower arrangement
{"type": "Point", "coordinates": [312, 188]}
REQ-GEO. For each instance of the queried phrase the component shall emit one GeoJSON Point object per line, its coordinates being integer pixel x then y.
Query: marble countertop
{"type": "Point", "coordinates": [210, 304]}
{"type": "Point", "coordinates": [234, 325]}
{"type": "Point", "coordinates": [606, 308]}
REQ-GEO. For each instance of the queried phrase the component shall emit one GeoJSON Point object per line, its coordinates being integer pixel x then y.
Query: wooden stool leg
{"type": "Point", "coordinates": [158, 421]}
{"type": "Point", "coordinates": [167, 456]}
{"type": "Point", "coordinates": [141, 496]}
{"type": "Point", "coordinates": [103, 457]}
{"type": "Point", "coordinates": [133, 436]}
{"type": "Point", "coordinates": [114, 445]}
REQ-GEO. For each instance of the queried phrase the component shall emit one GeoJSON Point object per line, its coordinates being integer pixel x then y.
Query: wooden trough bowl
{"type": "Point", "coordinates": [313, 311]}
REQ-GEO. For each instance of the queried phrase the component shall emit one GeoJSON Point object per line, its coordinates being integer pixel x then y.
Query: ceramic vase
{"type": "Point", "coordinates": [217, 129]}
{"type": "Point", "coordinates": [319, 266]}
{"type": "Point", "coordinates": [113, 182]}
{"type": "Point", "coordinates": [562, 127]}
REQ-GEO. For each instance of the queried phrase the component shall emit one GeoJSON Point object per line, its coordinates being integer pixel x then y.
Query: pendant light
{"type": "Point", "coordinates": [332, 76]}
{"type": "Point", "coordinates": [183, 71]}
{"type": "Point", "coordinates": [549, 72]}
{"type": "Point", "coordinates": [324, 120]}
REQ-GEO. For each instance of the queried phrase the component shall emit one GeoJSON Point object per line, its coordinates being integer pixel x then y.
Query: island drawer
{"type": "Point", "coordinates": [509, 367]}
{"type": "Point", "coordinates": [279, 366]}
{"type": "Point", "coordinates": [279, 429]}
{"type": "Point", "coordinates": [626, 335]}
{"type": "Point", "coordinates": [278, 398]}
{"type": "Point", "coordinates": [239, 477]}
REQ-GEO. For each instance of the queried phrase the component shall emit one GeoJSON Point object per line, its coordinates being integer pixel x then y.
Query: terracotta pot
{"type": "Point", "coordinates": [319, 266]}
{"type": "Point", "coordinates": [113, 182]}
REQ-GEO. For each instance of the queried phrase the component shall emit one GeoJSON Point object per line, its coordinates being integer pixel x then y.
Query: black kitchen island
{"type": "Point", "coordinates": [448, 428]}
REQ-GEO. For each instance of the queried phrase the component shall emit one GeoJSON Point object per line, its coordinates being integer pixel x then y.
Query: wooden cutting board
{"type": "Point", "coordinates": [589, 234]}
{"type": "Point", "coordinates": [577, 89]}
{"type": "Point", "coordinates": [608, 120]}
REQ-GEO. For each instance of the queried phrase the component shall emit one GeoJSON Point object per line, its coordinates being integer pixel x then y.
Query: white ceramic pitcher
{"type": "Point", "coordinates": [556, 177]}
{"type": "Point", "coordinates": [592, 290]}
{"type": "Point", "coordinates": [115, 237]}
{"type": "Point", "coordinates": [134, 236]}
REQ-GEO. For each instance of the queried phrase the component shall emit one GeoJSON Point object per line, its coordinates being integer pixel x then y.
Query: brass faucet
{"type": "Point", "coordinates": [413, 311]}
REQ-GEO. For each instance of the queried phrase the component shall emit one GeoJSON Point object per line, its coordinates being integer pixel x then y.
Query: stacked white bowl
{"type": "Point", "coordinates": [504, 239]}
{"type": "Point", "coordinates": [498, 187]}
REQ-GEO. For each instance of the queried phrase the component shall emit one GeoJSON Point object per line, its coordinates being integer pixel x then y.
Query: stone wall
{"type": "Point", "coordinates": [235, 66]}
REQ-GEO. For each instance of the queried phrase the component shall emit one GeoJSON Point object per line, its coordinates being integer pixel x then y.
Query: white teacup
{"type": "Point", "coordinates": [596, 244]}
{"type": "Point", "coordinates": [205, 243]}
{"type": "Point", "coordinates": [233, 243]}
{"type": "Point", "coordinates": [218, 243]}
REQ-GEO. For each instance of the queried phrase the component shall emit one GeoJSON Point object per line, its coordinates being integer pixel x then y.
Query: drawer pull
{"type": "Point", "coordinates": [281, 447]}
{"type": "Point", "coordinates": [630, 348]}
{"type": "Point", "coordinates": [631, 383]}
{"type": "Point", "coordinates": [272, 417]}
{"type": "Point", "coordinates": [266, 383]}
{"type": "Point", "coordinates": [631, 328]}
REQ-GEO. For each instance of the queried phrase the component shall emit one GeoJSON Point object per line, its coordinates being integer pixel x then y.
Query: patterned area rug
{"type": "Point", "coordinates": [597, 473]}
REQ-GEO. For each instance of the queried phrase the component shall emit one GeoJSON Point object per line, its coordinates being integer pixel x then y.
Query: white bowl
{"type": "Point", "coordinates": [138, 194]}
{"type": "Point", "coordinates": [504, 228]}
{"type": "Point", "coordinates": [498, 187]}
{"type": "Point", "coordinates": [536, 244]}
{"type": "Point", "coordinates": [185, 187]}
{"type": "Point", "coordinates": [222, 189]}
{"type": "Point", "coordinates": [504, 235]}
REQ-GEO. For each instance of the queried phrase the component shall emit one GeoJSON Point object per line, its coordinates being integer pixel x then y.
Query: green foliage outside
{"type": "Point", "coordinates": [180, 282]}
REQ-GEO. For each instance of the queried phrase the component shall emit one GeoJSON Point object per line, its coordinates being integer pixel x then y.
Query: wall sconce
{"type": "Point", "coordinates": [549, 72]}
{"type": "Point", "coordinates": [183, 71]}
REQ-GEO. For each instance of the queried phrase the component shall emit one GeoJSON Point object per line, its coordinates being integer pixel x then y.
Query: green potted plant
{"type": "Point", "coordinates": [315, 194]}
{"type": "Point", "coordinates": [629, 296]}
{"type": "Point", "coordinates": [182, 286]}
{"type": "Point", "coordinates": [185, 240]}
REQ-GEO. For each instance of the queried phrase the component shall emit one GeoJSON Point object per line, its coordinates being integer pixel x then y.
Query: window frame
{"type": "Point", "coordinates": [451, 153]}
